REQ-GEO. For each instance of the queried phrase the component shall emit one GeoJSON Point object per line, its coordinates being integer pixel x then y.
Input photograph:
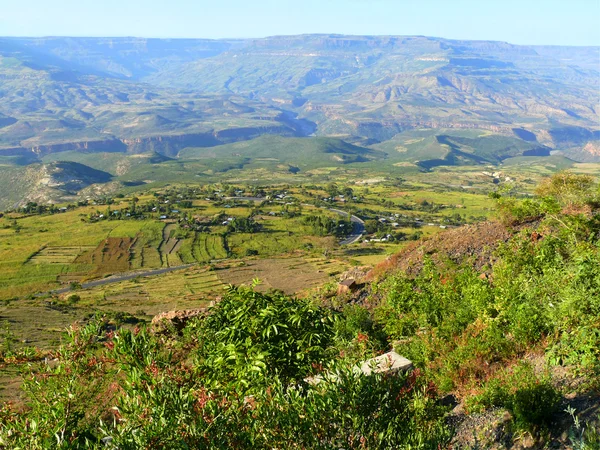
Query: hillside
{"type": "Point", "coordinates": [478, 337]}
{"type": "Point", "coordinates": [53, 182]}
{"type": "Point", "coordinates": [299, 153]}
{"type": "Point", "coordinates": [379, 86]}
{"type": "Point", "coordinates": [357, 85]}
{"type": "Point", "coordinates": [51, 105]}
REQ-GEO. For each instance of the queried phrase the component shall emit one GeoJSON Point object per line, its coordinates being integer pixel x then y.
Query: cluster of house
{"type": "Point", "coordinates": [496, 176]}
{"type": "Point", "coordinates": [339, 198]}
{"type": "Point", "coordinates": [393, 221]}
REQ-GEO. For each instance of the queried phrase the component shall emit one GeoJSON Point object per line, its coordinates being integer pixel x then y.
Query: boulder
{"type": "Point", "coordinates": [390, 362]}
{"type": "Point", "coordinates": [176, 320]}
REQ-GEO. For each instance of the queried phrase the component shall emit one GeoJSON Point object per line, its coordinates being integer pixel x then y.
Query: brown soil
{"type": "Point", "coordinates": [470, 243]}
{"type": "Point", "coordinates": [290, 275]}
{"type": "Point", "coordinates": [111, 256]}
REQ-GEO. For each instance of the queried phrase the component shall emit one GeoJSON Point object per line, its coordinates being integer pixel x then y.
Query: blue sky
{"type": "Point", "coordinates": [561, 22]}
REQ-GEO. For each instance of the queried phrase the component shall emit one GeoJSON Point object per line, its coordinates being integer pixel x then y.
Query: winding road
{"type": "Point", "coordinates": [358, 227]}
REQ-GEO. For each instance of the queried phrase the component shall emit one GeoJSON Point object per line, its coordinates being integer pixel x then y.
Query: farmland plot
{"type": "Point", "coordinates": [58, 255]}
{"type": "Point", "coordinates": [169, 247]}
{"type": "Point", "coordinates": [181, 289]}
{"type": "Point", "coordinates": [111, 256]}
{"type": "Point", "coordinates": [291, 274]}
{"type": "Point", "coordinates": [208, 247]}
{"type": "Point", "coordinates": [144, 252]}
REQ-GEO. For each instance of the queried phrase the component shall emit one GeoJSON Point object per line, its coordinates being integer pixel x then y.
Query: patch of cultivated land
{"type": "Point", "coordinates": [58, 255]}
{"type": "Point", "coordinates": [289, 274]}
{"type": "Point", "coordinates": [167, 246]}
{"type": "Point", "coordinates": [111, 256]}
{"type": "Point", "coordinates": [207, 247]}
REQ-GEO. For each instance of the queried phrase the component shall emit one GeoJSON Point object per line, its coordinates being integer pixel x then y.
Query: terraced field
{"type": "Point", "coordinates": [181, 289]}
{"type": "Point", "coordinates": [58, 255]}
{"type": "Point", "coordinates": [144, 252]}
{"type": "Point", "coordinates": [202, 281]}
{"type": "Point", "coordinates": [169, 247]}
{"type": "Point", "coordinates": [207, 247]}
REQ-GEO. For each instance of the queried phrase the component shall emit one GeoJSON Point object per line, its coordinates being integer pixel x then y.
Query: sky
{"type": "Point", "coordinates": [550, 22]}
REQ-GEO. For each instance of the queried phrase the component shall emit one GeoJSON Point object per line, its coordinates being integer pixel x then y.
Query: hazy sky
{"type": "Point", "coordinates": [564, 22]}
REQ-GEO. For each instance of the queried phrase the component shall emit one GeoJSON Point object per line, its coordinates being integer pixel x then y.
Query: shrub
{"type": "Point", "coordinates": [72, 299]}
{"type": "Point", "coordinates": [534, 404]}
{"type": "Point", "coordinates": [531, 399]}
{"type": "Point", "coordinates": [567, 188]}
{"type": "Point", "coordinates": [233, 380]}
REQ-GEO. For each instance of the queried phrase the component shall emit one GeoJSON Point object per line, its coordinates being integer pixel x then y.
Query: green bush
{"type": "Point", "coordinates": [542, 291]}
{"type": "Point", "coordinates": [535, 404]}
{"type": "Point", "coordinates": [531, 399]}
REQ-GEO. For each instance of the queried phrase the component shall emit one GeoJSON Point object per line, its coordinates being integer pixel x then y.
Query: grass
{"type": "Point", "coordinates": [204, 248]}
{"type": "Point", "coordinates": [303, 153]}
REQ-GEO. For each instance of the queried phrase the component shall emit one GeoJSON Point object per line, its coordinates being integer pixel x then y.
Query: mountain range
{"type": "Point", "coordinates": [429, 101]}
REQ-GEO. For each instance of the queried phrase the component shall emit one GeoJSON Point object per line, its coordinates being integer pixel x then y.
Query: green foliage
{"type": "Point", "coordinates": [514, 211]}
{"type": "Point", "coordinates": [273, 334]}
{"type": "Point", "coordinates": [232, 380]}
{"type": "Point", "coordinates": [325, 226]}
{"type": "Point", "coordinates": [66, 400]}
{"type": "Point", "coordinates": [531, 399]}
{"type": "Point", "coordinates": [542, 292]}
{"type": "Point", "coordinates": [567, 188]}
{"type": "Point", "coordinates": [583, 437]}
{"type": "Point", "coordinates": [243, 225]}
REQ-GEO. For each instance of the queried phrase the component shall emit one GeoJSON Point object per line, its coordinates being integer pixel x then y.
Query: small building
{"type": "Point", "coordinates": [346, 286]}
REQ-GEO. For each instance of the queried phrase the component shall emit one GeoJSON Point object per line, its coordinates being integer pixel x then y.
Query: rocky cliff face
{"type": "Point", "coordinates": [168, 145]}
{"type": "Point", "coordinates": [109, 145]}
{"type": "Point", "coordinates": [68, 94]}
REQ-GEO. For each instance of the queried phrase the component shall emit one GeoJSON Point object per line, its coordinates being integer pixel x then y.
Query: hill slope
{"type": "Point", "coordinates": [299, 154]}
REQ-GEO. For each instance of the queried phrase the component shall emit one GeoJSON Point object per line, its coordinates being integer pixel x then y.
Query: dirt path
{"type": "Point", "coordinates": [121, 277]}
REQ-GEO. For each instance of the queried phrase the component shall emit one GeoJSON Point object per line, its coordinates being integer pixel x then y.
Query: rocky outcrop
{"type": "Point", "coordinates": [169, 145]}
{"type": "Point", "coordinates": [109, 145]}
{"type": "Point", "coordinates": [242, 134]}
{"type": "Point", "coordinates": [175, 320]}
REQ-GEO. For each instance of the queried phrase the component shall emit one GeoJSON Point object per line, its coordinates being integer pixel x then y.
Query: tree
{"type": "Point", "coordinates": [567, 188]}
